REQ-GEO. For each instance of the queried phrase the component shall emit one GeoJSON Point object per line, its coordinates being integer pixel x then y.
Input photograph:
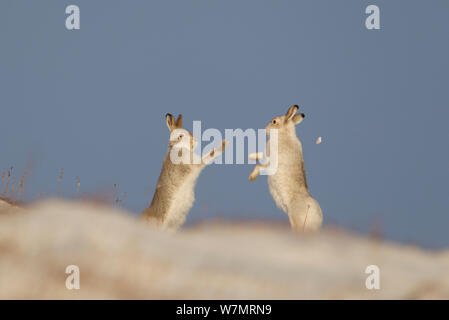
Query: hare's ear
{"type": "Point", "coordinates": [291, 112]}
{"type": "Point", "coordinates": [297, 118]}
{"type": "Point", "coordinates": [179, 122]}
{"type": "Point", "coordinates": [170, 120]}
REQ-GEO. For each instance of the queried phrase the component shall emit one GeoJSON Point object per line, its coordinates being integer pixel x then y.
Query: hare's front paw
{"type": "Point", "coordinates": [218, 151]}
{"type": "Point", "coordinates": [224, 143]}
{"type": "Point", "coordinates": [253, 176]}
{"type": "Point", "coordinates": [256, 156]}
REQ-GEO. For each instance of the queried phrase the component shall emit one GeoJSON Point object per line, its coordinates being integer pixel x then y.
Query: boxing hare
{"type": "Point", "coordinates": [174, 195]}
{"type": "Point", "coordinates": [287, 183]}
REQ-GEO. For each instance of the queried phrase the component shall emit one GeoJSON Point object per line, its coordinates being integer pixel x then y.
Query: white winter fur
{"type": "Point", "coordinates": [174, 195]}
{"type": "Point", "coordinates": [288, 185]}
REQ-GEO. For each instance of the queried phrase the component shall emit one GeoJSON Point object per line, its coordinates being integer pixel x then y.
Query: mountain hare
{"type": "Point", "coordinates": [288, 184]}
{"type": "Point", "coordinates": [174, 195]}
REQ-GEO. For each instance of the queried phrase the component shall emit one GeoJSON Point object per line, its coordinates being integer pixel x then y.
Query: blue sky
{"type": "Point", "coordinates": [92, 101]}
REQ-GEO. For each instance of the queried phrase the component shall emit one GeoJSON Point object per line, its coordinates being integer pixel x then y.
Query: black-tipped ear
{"type": "Point", "coordinates": [297, 118]}
{"type": "Point", "coordinates": [291, 112]}
{"type": "Point", "coordinates": [170, 120]}
{"type": "Point", "coordinates": [179, 122]}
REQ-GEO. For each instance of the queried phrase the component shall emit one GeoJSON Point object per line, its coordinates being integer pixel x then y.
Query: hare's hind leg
{"type": "Point", "coordinates": [306, 216]}
{"type": "Point", "coordinates": [314, 216]}
{"type": "Point", "coordinates": [317, 215]}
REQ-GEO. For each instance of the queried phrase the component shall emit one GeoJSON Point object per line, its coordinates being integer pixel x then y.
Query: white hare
{"type": "Point", "coordinates": [174, 195]}
{"type": "Point", "coordinates": [288, 184]}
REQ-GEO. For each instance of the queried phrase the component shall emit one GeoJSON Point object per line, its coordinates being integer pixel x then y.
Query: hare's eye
{"type": "Point", "coordinates": [180, 136]}
{"type": "Point", "coordinates": [274, 121]}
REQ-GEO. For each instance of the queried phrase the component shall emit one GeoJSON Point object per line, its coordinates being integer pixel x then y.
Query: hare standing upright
{"type": "Point", "coordinates": [174, 195]}
{"type": "Point", "coordinates": [288, 184]}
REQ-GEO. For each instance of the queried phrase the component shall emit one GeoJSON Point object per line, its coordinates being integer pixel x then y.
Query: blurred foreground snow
{"type": "Point", "coordinates": [120, 258]}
